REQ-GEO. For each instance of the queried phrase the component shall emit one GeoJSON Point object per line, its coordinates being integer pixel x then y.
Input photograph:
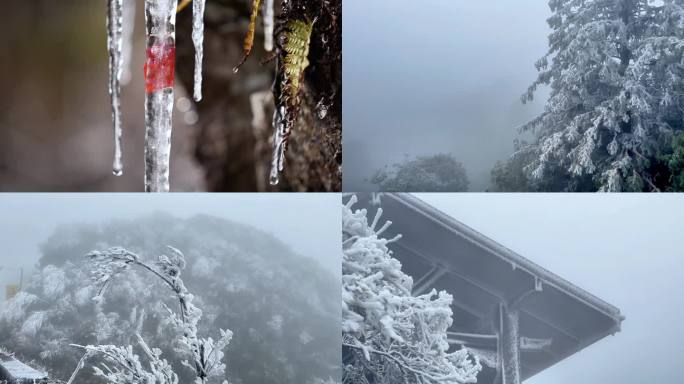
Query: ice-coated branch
{"type": "Point", "coordinates": [206, 353]}
{"type": "Point", "coordinates": [614, 69]}
{"type": "Point", "coordinates": [125, 366]}
{"type": "Point", "coordinates": [388, 334]}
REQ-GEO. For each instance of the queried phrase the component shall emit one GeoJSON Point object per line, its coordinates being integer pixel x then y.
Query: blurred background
{"type": "Point", "coordinates": [55, 115]}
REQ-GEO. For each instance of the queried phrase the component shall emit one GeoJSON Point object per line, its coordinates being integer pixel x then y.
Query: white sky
{"type": "Point", "coordinates": [625, 249]}
{"type": "Point", "coordinates": [431, 76]}
{"type": "Point", "coordinates": [310, 223]}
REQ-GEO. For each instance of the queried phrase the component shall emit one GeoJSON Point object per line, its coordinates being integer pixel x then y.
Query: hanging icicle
{"type": "Point", "coordinates": [292, 62]}
{"type": "Point", "coordinates": [249, 39]}
{"type": "Point", "coordinates": [160, 16]}
{"type": "Point", "coordinates": [198, 40]}
{"type": "Point", "coordinates": [114, 46]}
{"type": "Point", "coordinates": [128, 39]}
{"type": "Point", "coordinates": [269, 24]}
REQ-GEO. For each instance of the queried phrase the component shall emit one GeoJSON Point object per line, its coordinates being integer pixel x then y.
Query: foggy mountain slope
{"type": "Point", "coordinates": [279, 305]}
{"type": "Point", "coordinates": [447, 79]}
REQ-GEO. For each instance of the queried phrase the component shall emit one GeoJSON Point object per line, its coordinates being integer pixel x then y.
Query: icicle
{"type": "Point", "coordinates": [128, 39]}
{"type": "Point", "coordinates": [198, 41]}
{"type": "Point", "coordinates": [292, 63]}
{"type": "Point", "coordinates": [160, 16]}
{"type": "Point", "coordinates": [114, 42]}
{"type": "Point", "coordinates": [269, 24]}
{"type": "Point", "coordinates": [282, 132]}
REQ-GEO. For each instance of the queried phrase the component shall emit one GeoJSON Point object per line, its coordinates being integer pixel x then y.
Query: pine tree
{"type": "Point", "coordinates": [616, 74]}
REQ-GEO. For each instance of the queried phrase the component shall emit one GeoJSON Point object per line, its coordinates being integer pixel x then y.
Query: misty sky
{"type": "Point", "coordinates": [625, 249]}
{"type": "Point", "coordinates": [431, 76]}
{"type": "Point", "coordinates": [309, 223]}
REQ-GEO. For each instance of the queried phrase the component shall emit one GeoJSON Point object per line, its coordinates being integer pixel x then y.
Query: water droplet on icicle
{"type": "Point", "coordinates": [322, 109]}
{"type": "Point", "coordinates": [274, 178]}
{"type": "Point", "coordinates": [114, 47]}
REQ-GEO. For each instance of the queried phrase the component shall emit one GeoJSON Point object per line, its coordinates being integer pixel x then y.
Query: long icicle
{"type": "Point", "coordinates": [292, 62]}
{"type": "Point", "coordinates": [198, 40]}
{"type": "Point", "coordinates": [129, 8]}
{"type": "Point", "coordinates": [160, 16]}
{"type": "Point", "coordinates": [114, 46]}
{"type": "Point", "coordinates": [269, 24]}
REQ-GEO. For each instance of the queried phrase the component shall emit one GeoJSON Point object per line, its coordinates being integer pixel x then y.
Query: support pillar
{"type": "Point", "coordinates": [510, 345]}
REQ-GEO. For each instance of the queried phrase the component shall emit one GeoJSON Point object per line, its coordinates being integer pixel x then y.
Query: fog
{"type": "Point", "coordinates": [310, 223]}
{"type": "Point", "coordinates": [252, 265]}
{"type": "Point", "coordinates": [625, 249]}
{"type": "Point", "coordinates": [437, 76]}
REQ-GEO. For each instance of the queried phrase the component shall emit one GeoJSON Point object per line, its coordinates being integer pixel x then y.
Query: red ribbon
{"type": "Point", "coordinates": [160, 66]}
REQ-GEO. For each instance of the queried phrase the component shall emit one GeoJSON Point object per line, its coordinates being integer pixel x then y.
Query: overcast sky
{"type": "Point", "coordinates": [625, 249]}
{"type": "Point", "coordinates": [310, 223]}
{"type": "Point", "coordinates": [435, 76]}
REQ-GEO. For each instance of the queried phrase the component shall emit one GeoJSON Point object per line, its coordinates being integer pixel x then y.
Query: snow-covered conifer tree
{"type": "Point", "coordinates": [616, 74]}
{"type": "Point", "coordinates": [390, 336]}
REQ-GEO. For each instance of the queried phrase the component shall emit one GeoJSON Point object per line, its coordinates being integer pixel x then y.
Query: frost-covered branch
{"type": "Point", "coordinates": [388, 334]}
{"type": "Point", "coordinates": [617, 96]}
{"type": "Point", "coordinates": [206, 353]}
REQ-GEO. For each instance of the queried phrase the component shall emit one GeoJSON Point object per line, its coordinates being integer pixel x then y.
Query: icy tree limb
{"type": "Point", "coordinates": [391, 336]}
{"type": "Point", "coordinates": [207, 353]}
{"type": "Point", "coordinates": [79, 366]}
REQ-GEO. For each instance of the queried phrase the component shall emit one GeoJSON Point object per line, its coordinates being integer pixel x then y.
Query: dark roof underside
{"type": "Point", "coordinates": [440, 252]}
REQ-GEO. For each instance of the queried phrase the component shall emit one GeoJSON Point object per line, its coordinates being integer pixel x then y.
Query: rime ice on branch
{"type": "Point", "coordinates": [114, 46]}
{"type": "Point", "coordinates": [160, 16]}
{"type": "Point", "coordinates": [388, 335]}
{"type": "Point", "coordinates": [124, 364]}
{"type": "Point", "coordinates": [616, 79]}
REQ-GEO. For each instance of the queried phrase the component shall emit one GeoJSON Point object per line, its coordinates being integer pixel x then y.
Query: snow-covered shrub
{"type": "Point", "coordinates": [438, 173]}
{"type": "Point", "coordinates": [235, 294]}
{"type": "Point", "coordinates": [390, 336]}
{"type": "Point", "coordinates": [205, 353]}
